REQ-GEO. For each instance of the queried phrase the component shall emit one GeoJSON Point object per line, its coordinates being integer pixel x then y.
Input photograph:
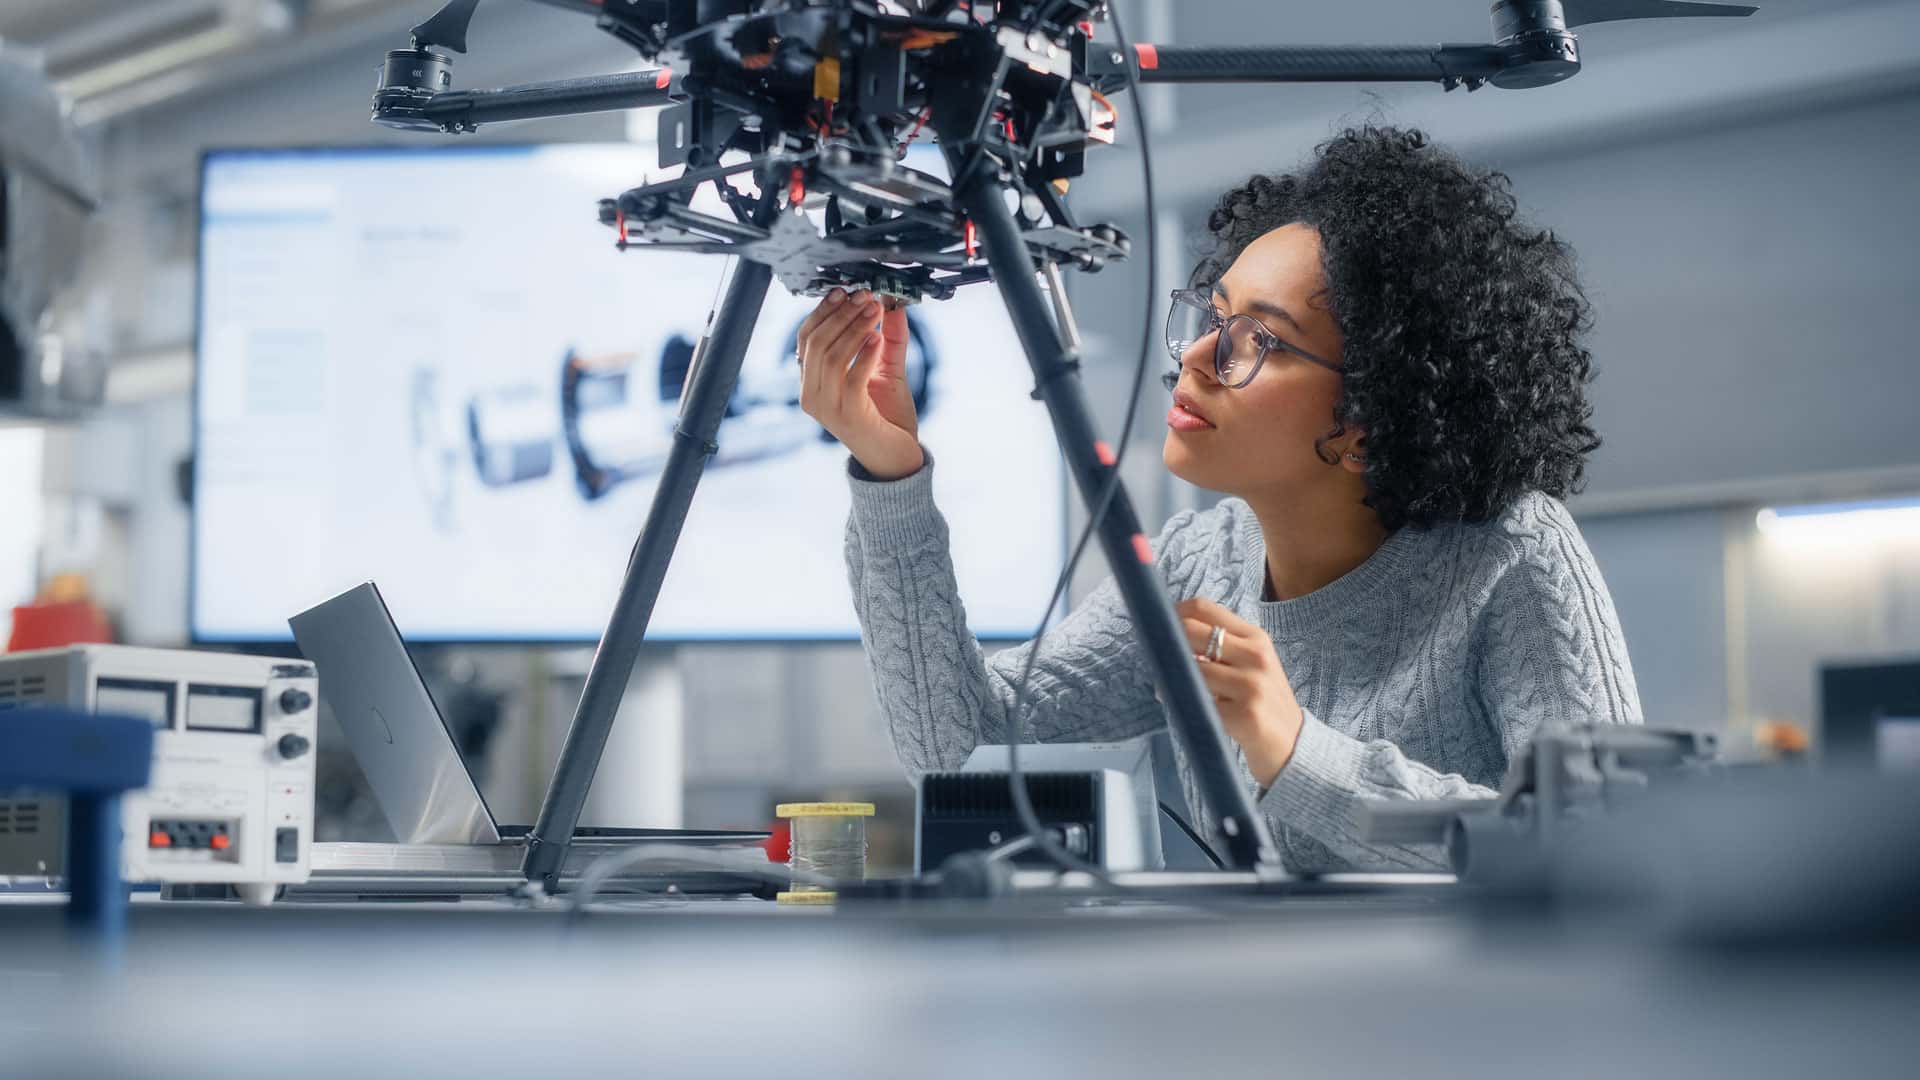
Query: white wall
{"type": "Point", "coordinates": [1754, 285]}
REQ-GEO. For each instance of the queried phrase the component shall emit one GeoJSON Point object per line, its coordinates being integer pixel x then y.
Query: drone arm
{"type": "Point", "coordinates": [1305, 63]}
{"type": "Point", "coordinates": [464, 110]}
{"type": "Point", "coordinates": [584, 7]}
{"type": "Point", "coordinates": [565, 97]}
{"type": "Point", "coordinates": [719, 228]}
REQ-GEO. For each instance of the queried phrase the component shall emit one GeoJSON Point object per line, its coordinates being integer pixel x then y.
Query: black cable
{"type": "Point", "coordinates": [1205, 848]}
{"type": "Point", "coordinates": [679, 857]}
{"type": "Point", "coordinates": [1041, 13]}
{"type": "Point", "coordinates": [1022, 800]}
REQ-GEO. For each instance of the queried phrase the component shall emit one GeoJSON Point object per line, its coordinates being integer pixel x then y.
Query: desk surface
{"type": "Point", "coordinates": [1355, 985]}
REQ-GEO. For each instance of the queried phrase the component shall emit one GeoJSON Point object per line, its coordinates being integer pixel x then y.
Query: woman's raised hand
{"type": "Point", "coordinates": [853, 379]}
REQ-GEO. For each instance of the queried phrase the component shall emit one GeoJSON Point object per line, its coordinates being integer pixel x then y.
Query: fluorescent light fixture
{"type": "Point", "coordinates": [1856, 522]}
{"type": "Point", "coordinates": [159, 60]}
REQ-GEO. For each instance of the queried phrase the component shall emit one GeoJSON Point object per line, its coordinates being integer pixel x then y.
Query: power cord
{"type": "Point", "coordinates": [678, 857]}
{"type": "Point", "coordinates": [1022, 800]}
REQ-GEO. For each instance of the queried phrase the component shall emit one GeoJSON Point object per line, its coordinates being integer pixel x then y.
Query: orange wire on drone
{"type": "Point", "coordinates": [916, 40]}
{"type": "Point", "coordinates": [917, 124]}
{"type": "Point", "coordinates": [824, 127]}
{"type": "Point", "coordinates": [1113, 114]}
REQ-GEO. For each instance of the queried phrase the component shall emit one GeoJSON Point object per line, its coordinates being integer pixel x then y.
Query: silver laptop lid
{"type": "Point", "coordinates": [396, 732]}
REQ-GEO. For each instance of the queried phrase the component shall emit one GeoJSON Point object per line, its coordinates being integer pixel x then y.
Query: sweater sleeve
{"type": "Point", "coordinates": [941, 695]}
{"type": "Point", "coordinates": [1547, 650]}
{"type": "Point", "coordinates": [1320, 790]}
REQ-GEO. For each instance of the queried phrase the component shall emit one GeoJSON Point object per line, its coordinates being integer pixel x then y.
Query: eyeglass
{"type": "Point", "coordinates": [1239, 350]}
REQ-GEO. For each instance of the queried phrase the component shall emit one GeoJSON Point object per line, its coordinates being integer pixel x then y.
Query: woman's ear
{"type": "Point", "coordinates": [1352, 451]}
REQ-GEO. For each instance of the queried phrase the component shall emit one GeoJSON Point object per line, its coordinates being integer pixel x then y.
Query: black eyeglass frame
{"type": "Point", "coordinates": [1222, 352]}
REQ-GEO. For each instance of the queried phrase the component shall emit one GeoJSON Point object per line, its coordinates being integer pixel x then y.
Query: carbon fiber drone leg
{"type": "Point", "coordinates": [1229, 812]}
{"type": "Point", "coordinates": [716, 370]}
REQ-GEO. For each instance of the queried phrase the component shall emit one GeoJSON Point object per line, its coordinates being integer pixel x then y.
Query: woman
{"type": "Point", "coordinates": [1381, 364]}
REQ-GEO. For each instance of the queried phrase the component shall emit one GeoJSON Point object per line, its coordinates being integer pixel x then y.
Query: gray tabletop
{"type": "Point", "coordinates": [1362, 983]}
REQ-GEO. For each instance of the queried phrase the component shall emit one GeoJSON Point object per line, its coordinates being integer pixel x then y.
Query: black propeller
{"type": "Point", "coordinates": [1585, 12]}
{"type": "Point", "coordinates": [1515, 17]}
{"type": "Point", "coordinates": [447, 28]}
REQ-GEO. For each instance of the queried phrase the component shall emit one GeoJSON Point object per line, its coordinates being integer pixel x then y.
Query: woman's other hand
{"type": "Point", "coordinates": [1249, 687]}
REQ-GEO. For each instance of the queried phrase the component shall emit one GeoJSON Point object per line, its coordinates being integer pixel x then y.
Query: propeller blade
{"type": "Point", "coordinates": [448, 27]}
{"type": "Point", "coordinates": [1587, 12]}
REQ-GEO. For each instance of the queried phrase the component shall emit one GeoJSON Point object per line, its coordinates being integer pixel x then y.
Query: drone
{"type": "Point", "coordinates": [826, 98]}
{"type": "Point", "coordinates": [796, 117]}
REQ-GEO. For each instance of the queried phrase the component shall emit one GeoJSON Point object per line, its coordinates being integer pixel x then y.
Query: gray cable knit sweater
{"type": "Point", "coordinates": [1421, 672]}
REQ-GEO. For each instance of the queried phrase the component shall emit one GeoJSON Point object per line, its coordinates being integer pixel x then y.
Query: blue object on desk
{"type": "Point", "coordinates": [93, 760]}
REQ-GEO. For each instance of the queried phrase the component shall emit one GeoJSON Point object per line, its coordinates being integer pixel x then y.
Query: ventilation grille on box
{"type": "Point", "coordinates": [19, 818]}
{"type": "Point", "coordinates": [964, 795]}
{"type": "Point", "coordinates": [17, 692]}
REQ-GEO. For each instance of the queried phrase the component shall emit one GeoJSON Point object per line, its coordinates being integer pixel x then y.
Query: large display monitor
{"type": "Point", "coordinates": [430, 368]}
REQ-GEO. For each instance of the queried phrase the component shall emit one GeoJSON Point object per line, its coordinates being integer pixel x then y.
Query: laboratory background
{"type": "Point", "coordinates": [292, 351]}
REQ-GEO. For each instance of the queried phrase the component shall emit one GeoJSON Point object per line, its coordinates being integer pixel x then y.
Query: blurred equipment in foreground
{"type": "Point", "coordinates": [92, 762]}
{"type": "Point", "coordinates": [1652, 833]}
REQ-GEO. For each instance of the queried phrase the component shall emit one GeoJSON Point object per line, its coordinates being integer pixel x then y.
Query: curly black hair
{"type": "Point", "coordinates": [1463, 324]}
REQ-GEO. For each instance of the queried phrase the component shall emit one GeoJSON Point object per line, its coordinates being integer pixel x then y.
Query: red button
{"type": "Point", "coordinates": [159, 839]}
{"type": "Point", "coordinates": [219, 842]}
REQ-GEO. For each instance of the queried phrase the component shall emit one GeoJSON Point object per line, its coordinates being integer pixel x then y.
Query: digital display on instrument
{"type": "Point", "coordinates": [223, 708]}
{"type": "Point", "coordinates": [150, 701]}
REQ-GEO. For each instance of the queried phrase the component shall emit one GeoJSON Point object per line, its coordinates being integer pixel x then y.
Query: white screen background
{"type": "Point", "coordinates": [335, 284]}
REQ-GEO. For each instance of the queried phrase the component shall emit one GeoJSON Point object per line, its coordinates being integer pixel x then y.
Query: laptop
{"type": "Point", "coordinates": [402, 741]}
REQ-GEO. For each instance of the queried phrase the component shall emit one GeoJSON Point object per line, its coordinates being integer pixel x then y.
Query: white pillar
{"type": "Point", "coordinates": [642, 781]}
